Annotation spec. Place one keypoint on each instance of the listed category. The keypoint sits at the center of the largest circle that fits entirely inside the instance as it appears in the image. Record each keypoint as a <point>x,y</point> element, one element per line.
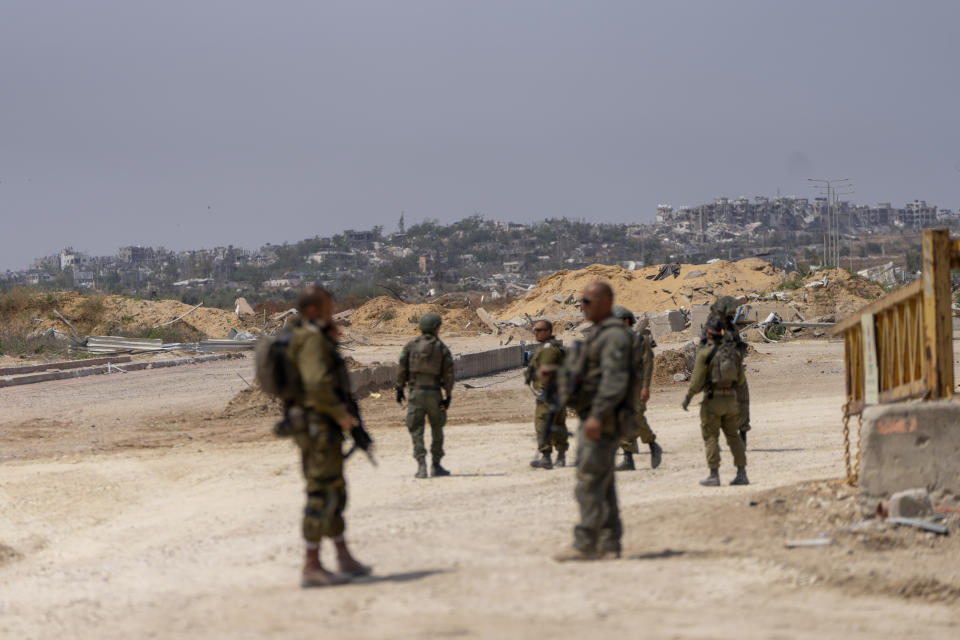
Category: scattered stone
<point>914,503</point>
<point>694,274</point>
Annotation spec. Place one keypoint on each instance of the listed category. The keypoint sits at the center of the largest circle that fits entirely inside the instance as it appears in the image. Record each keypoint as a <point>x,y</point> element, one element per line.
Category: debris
<point>375,395</point>
<point>920,524</point>
<point>487,319</point>
<point>666,270</point>
<point>242,308</point>
<point>808,542</point>
<point>913,503</point>
<point>166,324</point>
<point>694,274</point>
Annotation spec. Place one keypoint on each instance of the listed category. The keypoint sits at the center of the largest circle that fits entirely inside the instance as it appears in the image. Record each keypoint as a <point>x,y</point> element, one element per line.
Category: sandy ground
<point>132,509</point>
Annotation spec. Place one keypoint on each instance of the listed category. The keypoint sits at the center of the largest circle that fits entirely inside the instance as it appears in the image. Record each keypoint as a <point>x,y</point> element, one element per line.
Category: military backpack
<point>276,375</point>
<point>725,364</point>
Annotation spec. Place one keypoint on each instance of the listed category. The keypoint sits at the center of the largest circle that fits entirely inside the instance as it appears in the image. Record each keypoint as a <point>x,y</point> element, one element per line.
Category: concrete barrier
<point>664,322</point>
<point>467,365</point>
<point>908,446</point>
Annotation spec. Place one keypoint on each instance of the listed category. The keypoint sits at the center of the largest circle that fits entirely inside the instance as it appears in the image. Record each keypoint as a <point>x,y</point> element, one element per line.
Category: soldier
<point>717,371</point>
<point>542,370</point>
<point>320,422</point>
<point>427,366</point>
<point>725,309</point>
<point>600,393</point>
<point>643,345</point>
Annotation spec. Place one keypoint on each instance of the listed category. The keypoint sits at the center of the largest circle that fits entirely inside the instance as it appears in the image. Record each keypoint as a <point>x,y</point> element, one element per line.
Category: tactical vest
<point>425,362</point>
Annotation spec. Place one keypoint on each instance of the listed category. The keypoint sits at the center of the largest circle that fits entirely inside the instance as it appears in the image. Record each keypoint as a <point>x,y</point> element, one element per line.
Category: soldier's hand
<point>645,394</point>
<point>347,422</point>
<point>592,428</point>
<point>400,395</point>
<point>685,404</point>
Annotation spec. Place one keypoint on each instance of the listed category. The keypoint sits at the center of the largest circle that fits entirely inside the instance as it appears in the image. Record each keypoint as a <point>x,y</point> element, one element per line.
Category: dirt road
<point>131,509</point>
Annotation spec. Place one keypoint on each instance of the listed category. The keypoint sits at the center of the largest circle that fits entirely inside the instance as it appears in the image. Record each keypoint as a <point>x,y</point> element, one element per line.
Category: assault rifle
<point>361,438</point>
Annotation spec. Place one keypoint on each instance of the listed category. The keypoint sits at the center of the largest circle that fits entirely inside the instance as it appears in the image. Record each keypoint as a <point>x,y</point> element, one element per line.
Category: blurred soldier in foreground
<point>427,366</point>
<point>598,381</point>
<point>643,345</point>
<point>718,371</point>
<point>320,419</point>
<point>725,310</point>
<point>542,375</point>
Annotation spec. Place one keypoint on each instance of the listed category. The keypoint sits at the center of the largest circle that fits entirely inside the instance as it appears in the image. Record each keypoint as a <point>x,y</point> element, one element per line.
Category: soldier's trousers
<point>646,434</point>
<point>600,527</point>
<point>321,454</point>
<point>721,413</point>
<point>558,434</point>
<point>743,402</point>
<point>422,405</point>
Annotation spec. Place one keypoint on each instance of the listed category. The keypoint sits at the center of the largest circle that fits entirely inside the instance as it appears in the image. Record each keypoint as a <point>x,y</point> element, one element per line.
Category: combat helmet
<point>430,322</point>
<point>725,306</point>
<point>622,313</point>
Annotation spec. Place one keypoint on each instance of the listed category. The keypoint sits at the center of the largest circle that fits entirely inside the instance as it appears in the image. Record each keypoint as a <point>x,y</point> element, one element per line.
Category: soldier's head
<point>315,303</point>
<point>625,315</point>
<point>542,330</point>
<point>430,322</point>
<point>714,329</point>
<point>725,307</point>
<point>597,301</point>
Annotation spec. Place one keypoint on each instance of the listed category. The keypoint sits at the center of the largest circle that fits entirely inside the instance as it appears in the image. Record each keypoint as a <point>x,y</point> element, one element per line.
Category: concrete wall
<point>910,446</point>
<point>664,322</point>
<point>468,365</point>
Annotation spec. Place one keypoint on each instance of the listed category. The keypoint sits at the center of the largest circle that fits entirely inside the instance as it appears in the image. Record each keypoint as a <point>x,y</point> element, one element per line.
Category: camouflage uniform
<point>604,393</point>
<point>548,354</point>
<point>643,350</point>
<point>718,411</point>
<point>325,384</point>
<point>427,366</point>
<point>724,309</point>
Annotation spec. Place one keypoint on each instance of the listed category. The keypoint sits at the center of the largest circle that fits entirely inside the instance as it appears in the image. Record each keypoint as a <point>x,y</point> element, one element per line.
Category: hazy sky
<point>198,123</point>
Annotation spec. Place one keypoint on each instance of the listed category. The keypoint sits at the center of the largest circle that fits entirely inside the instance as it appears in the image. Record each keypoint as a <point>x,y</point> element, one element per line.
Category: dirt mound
<point>667,364</point>
<point>389,315</point>
<point>94,314</point>
<point>695,284</point>
<point>252,402</point>
<point>843,294</point>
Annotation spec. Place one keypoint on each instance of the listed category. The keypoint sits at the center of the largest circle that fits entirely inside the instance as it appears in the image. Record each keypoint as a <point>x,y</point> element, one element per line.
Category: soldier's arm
<point>699,378</point>
<point>646,374</point>
<point>404,368</point>
<point>447,370</point>
<point>318,378</point>
<point>615,354</point>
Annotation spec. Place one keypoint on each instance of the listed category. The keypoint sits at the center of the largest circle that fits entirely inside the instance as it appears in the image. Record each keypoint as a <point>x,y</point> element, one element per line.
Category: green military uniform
<point>724,309</point>
<point>604,368</point>
<point>643,351</point>
<point>325,384</point>
<point>549,354</point>
<point>426,365</point>
<point>718,412</point>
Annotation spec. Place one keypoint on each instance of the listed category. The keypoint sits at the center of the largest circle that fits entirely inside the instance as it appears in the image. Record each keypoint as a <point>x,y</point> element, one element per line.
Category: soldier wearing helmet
<point>725,310</point>
<point>426,366</point>
<point>643,345</point>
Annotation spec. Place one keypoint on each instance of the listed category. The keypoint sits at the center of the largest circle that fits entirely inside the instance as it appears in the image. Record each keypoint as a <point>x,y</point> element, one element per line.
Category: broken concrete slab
<point>487,319</point>
<point>914,503</point>
<point>242,308</point>
<point>694,274</point>
<point>663,322</point>
<point>909,446</point>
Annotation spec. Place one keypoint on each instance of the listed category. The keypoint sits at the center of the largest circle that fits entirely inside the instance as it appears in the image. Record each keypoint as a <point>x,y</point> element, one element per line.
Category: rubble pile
<point>388,315</point>
<point>558,293</point>
<point>113,314</point>
<point>669,364</point>
<point>837,293</point>
<point>252,402</point>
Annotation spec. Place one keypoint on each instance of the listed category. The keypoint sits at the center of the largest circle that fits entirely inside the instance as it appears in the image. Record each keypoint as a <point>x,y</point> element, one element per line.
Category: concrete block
<point>908,446</point>
<point>914,503</point>
<point>664,322</point>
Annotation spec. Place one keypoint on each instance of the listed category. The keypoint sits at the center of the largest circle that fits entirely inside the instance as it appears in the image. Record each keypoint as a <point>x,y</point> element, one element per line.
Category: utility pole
<point>831,226</point>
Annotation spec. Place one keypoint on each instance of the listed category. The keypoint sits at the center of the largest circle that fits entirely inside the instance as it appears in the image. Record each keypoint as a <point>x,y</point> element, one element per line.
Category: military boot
<point>314,575</point>
<point>421,469</point>
<point>627,464</point>
<point>656,455</point>
<point>543,462</point>
<point>741,476</point>
<point>438,471</point>
<point>561,459</point>
<point>713,480</point>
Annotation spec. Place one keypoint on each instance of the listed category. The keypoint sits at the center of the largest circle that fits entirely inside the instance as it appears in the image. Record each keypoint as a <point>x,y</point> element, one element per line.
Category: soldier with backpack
<point>718,371</point>
<point>426,365</point>
<point>541,375</point>
<point>643,345</point>
<point>318,417</point>
<point>725,310</point>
